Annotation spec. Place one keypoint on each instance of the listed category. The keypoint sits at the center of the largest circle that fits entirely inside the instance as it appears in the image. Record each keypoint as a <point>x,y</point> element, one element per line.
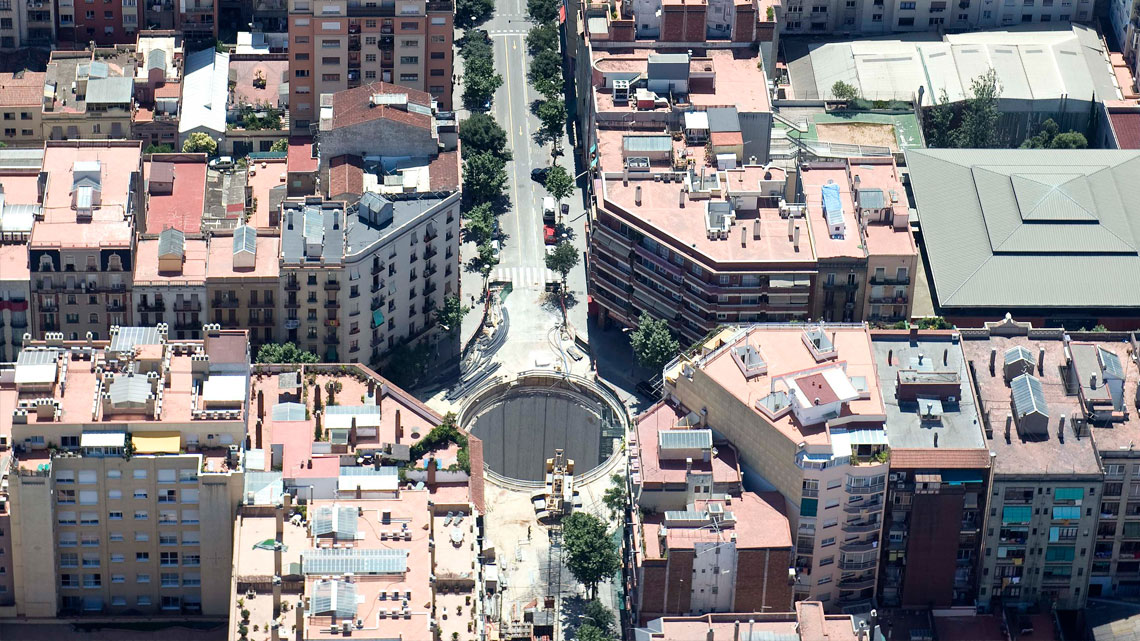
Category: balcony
<point>191,305</point>
<point>855,528</point>
<point>151,306</point>
<point>858,546</point>
<point>866,489</point>
<point>292,303</point>
<point>889,300</point>
<point>857,565</point>
<point>226,303</point>
<point>863,506</point>
<point>331,304</point>
<point>332,286</point>
<point>884,280</point>
<point>115,307</point>
<point>331,340</point>
<point>857,584</point>
<point>295,285</point>
<point>840,285</point>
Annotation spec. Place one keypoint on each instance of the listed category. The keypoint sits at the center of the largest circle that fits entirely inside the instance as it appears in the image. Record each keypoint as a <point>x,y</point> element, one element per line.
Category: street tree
<point>591,554</point>
<point>199,142</point>
<point>469,13</point>
<point>843,91</point>
<point>653,344</point>
<point>558,183</point>
<point>476,44</point>
<point>563,259</point>
<point>406,364</point>
<point>542,37</point>
<point>480,223</point>
<point>616,497</point>
<point>600,616</point>
<point>542,11</point>
<point>484,177</point>
<point>589,632</point>
<point>545,73</point>
<point>480,133</point>
<point>284,353</point>
<point>487,258</point>
<point>980,114</point>
<point>451,314</point>
<point>480,81</point>
<point>939,133</point>
<point>552,116</point>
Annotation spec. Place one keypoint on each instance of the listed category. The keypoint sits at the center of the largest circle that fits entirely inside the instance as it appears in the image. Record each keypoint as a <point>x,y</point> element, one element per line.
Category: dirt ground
<point>859,133</point>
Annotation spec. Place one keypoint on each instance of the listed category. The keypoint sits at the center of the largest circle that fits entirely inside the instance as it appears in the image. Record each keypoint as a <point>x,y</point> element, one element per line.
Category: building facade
<point>242,283</point>
<point>877,17</point>
<point>347,44</point>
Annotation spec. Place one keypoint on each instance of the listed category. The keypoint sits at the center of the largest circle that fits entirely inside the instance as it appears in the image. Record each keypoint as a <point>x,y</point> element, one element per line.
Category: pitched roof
<point>1125,125</point>
<point>939,458</point>
<point>443,172</point>
<point>346,176</point>
<point>353,106</point>
<point>171,242</point>
<point>110,91</point>
<point>24,89</point>
<point>1016,228</point>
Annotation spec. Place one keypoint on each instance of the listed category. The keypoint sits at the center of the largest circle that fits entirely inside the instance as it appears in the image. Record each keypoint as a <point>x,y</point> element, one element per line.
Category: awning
<point>961,477</point>
<point>103,439</point>
<point>377,318</point>
<point>809,507</point>
<point>157,442</point>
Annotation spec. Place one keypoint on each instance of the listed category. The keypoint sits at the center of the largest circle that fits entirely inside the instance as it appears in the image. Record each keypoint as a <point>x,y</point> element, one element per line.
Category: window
<point>169,579</point>
<point>142,578</point>
<point>114,495</point>
<point>119,578</point>
<point>168,517</point>
<point>68,560</point>
<point>189,496</point>
<point>1066,513</point>
<point>141,515</point>
<point>189,517</point>
<point>409,77</point>
<point>330,77</point>
<point>167,538</point>
<point>409,60</point>
<point>189,538</point>
<point>167,476</point>
<point>142,557</point>
<point>191,579</point>
<point>92,580</point>
<point>906,22</point>
<point>87,477</point>
<point>143,601</point>
<point>115,515</point>
<point>116,536</point>
<point>191,560</point>
<point>408,26</point>
<point>167,559</point>
<point>140,494</point>
<point>139,474</point>
<point>66,497</point>
<point>88,497</point>
<point>826,542</point>
<point>66,518</point>
<point>142,536</point>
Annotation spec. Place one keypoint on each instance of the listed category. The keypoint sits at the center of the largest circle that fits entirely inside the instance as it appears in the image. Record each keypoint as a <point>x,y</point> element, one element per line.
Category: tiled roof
<point>352,107</point>
<point>444,172</point>
<point>346,176</point>
<point>1126,126</point>
<point>939,458</point>
<point>25,91</point>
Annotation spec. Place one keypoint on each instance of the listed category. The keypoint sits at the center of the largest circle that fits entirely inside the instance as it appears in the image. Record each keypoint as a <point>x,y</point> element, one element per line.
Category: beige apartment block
<point>21,98</point>
<point>242,283</point>
<point>343,44</point>
<point>125,472</point>
<point>81,253</point>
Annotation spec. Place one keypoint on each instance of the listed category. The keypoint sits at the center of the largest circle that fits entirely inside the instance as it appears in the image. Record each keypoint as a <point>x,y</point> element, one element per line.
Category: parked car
<point>548,206</point>
<point>222,163</point>
<point>548,234</point>
<point>539,174</point>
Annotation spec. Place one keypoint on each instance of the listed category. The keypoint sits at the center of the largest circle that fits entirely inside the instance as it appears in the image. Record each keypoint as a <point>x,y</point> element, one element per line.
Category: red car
<point>548,234</point>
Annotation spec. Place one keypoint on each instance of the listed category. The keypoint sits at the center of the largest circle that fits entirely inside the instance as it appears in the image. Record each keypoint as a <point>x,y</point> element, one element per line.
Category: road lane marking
<point>514,181</point>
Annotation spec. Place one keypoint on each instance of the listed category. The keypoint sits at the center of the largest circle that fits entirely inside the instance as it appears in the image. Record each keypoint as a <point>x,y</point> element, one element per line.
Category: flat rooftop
<point>221,259</point>
<point>846,245</point>
<point>758,523</point>
<point>732,69</point>
<point>110,223</point>
<point>882,238</point>
<point>65,68</point>
<point>655,471</point>
<point>193,270</point>
<point>808,621</point>
<point>1035,455</point>
<point>267,73</point>
<point>14,262</point>
<point>785,353</point>
<point>937,356</point>
<point>182,208</point>
<point>267,180</point>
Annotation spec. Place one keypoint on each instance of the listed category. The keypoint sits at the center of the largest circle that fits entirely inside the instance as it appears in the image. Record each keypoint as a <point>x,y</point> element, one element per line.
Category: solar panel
<point>128,338</point>
<point>684,439</point>
<point>338,521</point>
<point>343,561</point>
<point>289,412</point>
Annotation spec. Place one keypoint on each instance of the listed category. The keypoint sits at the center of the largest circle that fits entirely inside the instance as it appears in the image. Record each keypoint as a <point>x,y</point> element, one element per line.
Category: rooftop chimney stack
<point>1008,426</point>
<point>735,631</point>
<point>796,238</point>
<point>299,620</point>
<point>993,359</point>
<point>1061,429</point>
<point>276,596</point>
<point>637,195</point>
<point>756,229</point>
<point>1041,362</point>
<point>743,237</point>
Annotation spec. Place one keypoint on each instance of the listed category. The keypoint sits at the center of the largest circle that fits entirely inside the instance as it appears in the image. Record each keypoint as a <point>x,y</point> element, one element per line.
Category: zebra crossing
<point>521,276</point>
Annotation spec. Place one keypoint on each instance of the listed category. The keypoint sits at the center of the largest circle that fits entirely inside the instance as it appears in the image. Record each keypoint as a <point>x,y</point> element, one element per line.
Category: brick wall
<point>932,549</point>
<point>762,581</point>
<point>744,29</point>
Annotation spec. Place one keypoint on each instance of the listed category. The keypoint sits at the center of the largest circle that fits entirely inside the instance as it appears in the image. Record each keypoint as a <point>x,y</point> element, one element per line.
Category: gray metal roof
<point>289,412</point>
<point>289,380</point>
<point>647,143</point>
<point>129,390</point>
<point>1016,228</point>
<point>310,224</point>
<point>1019,353</point>
<point>156,59</point>
<point>362,234</point>
<point>871,198</point>
<point>684,439</point>
<point>171,241</point>
<point>723,119</point>
<point>1111,363</point>
<point>110,91</point>
<point>129,337</point>
<point>245,239</point>
<point>336,520</point>
<point>1028,396</point>
<point>357,561</point>
<point>334,598</point>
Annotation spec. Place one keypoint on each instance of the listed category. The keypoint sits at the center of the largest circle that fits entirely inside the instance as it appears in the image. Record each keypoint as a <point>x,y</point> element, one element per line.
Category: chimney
<point>257,432</point>
<point>287,500</point>
<point>1092,380</point>
<point>260,404</point>
<point>1061,429</point>
<point>431,469</point>
<point>890,356</point>
<point>756,229</point>
<point>279,521</point>
<point>936,439</point>
<point>1008,425</point>
<point>945,356</point>
<point>735,631</point>
<point>625,177</point>
<point>993,359</point>
<point>681,199</point>
<point>399,427</point>
<point>637,195</point>
<point>874,622</point>
<point>359,492</point>
<point>791,226</point>
<point>352,434</point>
<point>709,634</point>
<point>689,464</point>
<point>1041,362</point>
<point>743,237</point>
<point>299,621</point>
<point>371,388</point>
<point>796,238</point>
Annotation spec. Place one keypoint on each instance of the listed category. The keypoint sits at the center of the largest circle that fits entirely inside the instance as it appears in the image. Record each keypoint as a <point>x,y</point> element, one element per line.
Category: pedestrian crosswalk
<point>521,276</point>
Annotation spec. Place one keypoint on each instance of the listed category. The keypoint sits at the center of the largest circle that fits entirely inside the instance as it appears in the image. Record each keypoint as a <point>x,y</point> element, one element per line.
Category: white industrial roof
<point>204,92</point>
<point>224,388</point>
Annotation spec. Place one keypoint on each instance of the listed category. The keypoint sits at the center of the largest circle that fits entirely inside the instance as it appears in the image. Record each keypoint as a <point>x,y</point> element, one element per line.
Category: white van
<point>548,210</point>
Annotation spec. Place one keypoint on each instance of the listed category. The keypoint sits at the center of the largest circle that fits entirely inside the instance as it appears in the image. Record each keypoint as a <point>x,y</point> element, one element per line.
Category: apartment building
<point>1046,490</point>
<point>21,97</point>
<point>807,621</point>
<point>126,472</point>
<point>242,281</point>
<point>802,406</point>
<point>940,463</point>
<point>89,95</point>
<point>158,88</point>
<point>170,283</point>
<point>858,217</point>
<point>868,17</point>
<point>14,295</point>
<point>108,24</point>
<point>30,23</point>
<point>19,206</point>
<point>340,45</point>
<point>82,252</point>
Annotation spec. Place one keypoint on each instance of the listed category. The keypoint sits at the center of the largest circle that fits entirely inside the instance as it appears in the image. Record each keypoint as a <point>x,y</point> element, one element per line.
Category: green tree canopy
<point>563,259</point>
<point>157,149</point>
<point>980,114</point>
<point>472,12</point>
<point>589,632</point>
<point>1049,136</point>
<point>653,344</point>
<point>558,183</point>
<point>616,497</point>
<point>600,616</point>
<point>843,91</point>
<point>480,133</point>
<point>545,73</point>
<point>939,130</point>
<point>591,554</point>
<point>484,177</point>
<point>284,353</point>
<point>280,145</point>
<point>542,11</point>
<point>480,222</point>
<point>552,116</point>
<point>451,314</point>
<point>542,37</point>
<point>199,142</point>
